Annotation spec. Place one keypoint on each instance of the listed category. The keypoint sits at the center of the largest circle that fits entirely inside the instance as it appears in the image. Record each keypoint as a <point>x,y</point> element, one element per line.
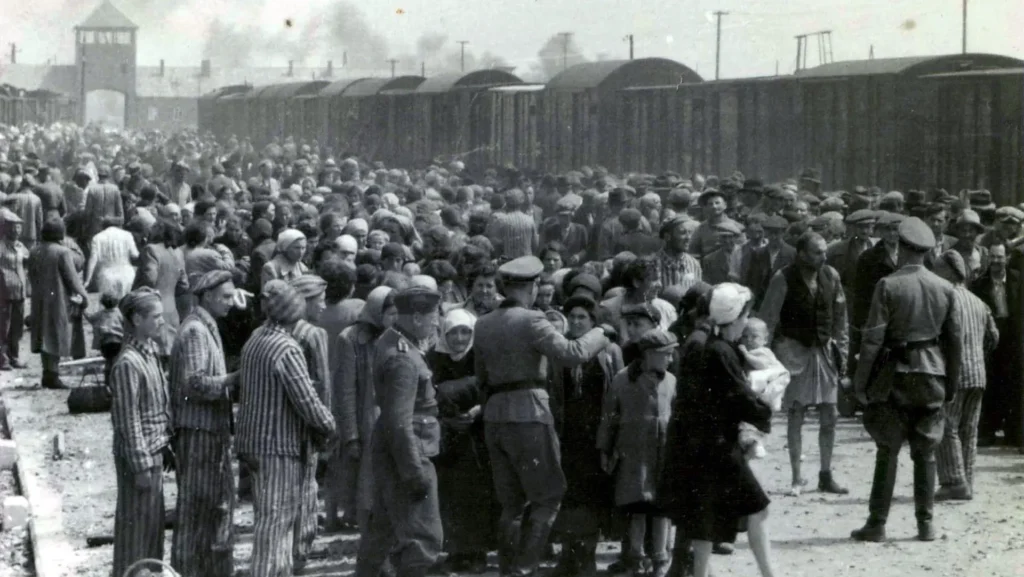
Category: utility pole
<point>14,53</point>
<point>463,43</point>
<point>800,39</point>
<point>718,39</point>
<point>630,38</point>
<point>565,48</point>
<point>871,53</point>
<point>82,85</point>
<point>964,27</point>
<point>776,67</point>
<point>393,62</point>
<point>423,69</point>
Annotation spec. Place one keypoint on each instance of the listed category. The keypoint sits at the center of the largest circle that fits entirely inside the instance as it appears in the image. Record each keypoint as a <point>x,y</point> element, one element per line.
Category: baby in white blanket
<point>766,376</point>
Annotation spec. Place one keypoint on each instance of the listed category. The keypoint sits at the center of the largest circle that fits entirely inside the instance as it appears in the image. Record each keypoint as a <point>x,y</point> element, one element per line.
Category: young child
<point>767,377</point>
<point>107,330</point>
<point>632,438</point>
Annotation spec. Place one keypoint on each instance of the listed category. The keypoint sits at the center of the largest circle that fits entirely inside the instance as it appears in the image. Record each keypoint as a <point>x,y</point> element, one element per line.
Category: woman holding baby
<point>708,488</point>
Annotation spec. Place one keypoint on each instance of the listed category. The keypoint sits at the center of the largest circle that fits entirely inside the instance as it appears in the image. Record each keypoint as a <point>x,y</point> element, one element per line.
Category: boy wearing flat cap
<point>909,367</point>
<point>406,515</point>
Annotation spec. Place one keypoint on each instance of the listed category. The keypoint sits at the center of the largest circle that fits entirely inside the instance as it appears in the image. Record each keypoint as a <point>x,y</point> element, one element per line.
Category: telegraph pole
<point>630,38</point>
<point>393,62</point>
<point>565,48</point>
<point>82,85</point>
<point>14,53</point>
<point>423,69</point>
<point>964,28</point>
<point>463,43</point>
<point>718,39</point>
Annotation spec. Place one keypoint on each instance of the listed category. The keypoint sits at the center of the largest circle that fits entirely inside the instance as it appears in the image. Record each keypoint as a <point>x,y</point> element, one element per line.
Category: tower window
<point>124,38</point>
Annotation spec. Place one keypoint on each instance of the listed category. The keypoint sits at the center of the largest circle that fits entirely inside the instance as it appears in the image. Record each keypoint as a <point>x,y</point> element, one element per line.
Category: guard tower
<point>105,50</point>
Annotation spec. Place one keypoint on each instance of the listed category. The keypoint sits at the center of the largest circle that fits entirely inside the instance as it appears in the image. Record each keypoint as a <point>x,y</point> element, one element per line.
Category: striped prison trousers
<point>306,524</point>
<point>959,446</point>
<point>203,541</point>
<point>138,518</point>
<point>277,492</point>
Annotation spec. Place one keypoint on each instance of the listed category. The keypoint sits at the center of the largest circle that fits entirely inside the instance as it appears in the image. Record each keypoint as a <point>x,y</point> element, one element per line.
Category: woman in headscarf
<point>464,482</point>
<point>355,410</point>
<point>162,269</point>
<point>57,289</point>
<point>707,486</point>
<point>377,239</point>
<point>287,262</point>
<point>577,397</point>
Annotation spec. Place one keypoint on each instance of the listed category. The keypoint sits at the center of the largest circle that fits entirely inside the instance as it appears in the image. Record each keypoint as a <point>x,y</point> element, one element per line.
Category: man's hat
<point>970,217</point>
<point>753,185</point>
<point>729,227</point>
<point>417,299</point>
<point>522,269</point>
<point>915,233</point>
<point>1010,214</point>
<point>657,340</point>
<point>671,224</point>
<point>811,174</point>
<point>708,194</point>
<point>862,216</point>
<point>886,218</point>
<point>775,222</point>
<point>981,200</point>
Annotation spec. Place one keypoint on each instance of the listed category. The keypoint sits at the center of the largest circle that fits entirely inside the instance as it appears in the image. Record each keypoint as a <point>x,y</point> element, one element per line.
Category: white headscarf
<point>454,319</point>
<point>727,302</point>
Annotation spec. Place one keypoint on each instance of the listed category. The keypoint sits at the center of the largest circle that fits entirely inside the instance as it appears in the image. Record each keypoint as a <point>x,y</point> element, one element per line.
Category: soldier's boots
<point>924,498</point>
<point>826,484</point>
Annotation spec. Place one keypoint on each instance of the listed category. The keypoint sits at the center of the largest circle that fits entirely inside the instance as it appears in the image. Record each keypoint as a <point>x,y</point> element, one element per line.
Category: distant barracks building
<point>161,97</point>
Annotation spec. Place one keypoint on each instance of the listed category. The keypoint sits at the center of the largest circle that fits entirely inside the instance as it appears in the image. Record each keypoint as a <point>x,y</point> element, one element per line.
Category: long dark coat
<point>464,484</point>
<point>577,402</point>
<point>707,487</point>
<point>163,270</point>
<point>51,272</point>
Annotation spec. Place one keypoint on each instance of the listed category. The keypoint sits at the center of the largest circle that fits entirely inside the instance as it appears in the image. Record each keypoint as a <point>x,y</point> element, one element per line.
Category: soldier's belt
<point>525,385</point>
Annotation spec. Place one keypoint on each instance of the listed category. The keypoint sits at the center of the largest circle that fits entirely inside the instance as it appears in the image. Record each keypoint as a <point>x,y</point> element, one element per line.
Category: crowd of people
<point>466,362</point>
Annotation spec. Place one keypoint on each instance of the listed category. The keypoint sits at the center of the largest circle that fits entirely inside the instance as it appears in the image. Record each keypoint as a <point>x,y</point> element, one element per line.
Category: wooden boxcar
<point>508,121</point>
<point>372,117</point>
<point>444,126</point>
<point>580,108</point>
<point>211,116</point>
<point>874,122</point>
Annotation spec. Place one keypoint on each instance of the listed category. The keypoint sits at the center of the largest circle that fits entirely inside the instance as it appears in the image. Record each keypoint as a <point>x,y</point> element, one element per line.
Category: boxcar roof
<point>477,78</point>
<point>914,65</point>
<point>619,74</point>
<point>374,86</point>
<point>226,91</point>
<point>290,89</point>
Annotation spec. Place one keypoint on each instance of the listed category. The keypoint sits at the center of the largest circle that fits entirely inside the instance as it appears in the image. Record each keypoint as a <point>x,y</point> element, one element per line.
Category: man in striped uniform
<point>281,420</point>
<point>675,266</point>
<point>405,521</point>
<point>956,453</point>
<point>201,392</point>
<point>313,341</point>
<point>141,417</point>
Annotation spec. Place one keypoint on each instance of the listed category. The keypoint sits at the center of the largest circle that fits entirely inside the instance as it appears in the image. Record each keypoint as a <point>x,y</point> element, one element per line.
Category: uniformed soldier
<point>513,344</point>
<point>909,367</point>
<point>405,521</point>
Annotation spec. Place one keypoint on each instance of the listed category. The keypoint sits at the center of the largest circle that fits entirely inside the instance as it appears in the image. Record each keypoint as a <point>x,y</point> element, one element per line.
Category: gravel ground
<point>810,534</point>
<point>15,549</point>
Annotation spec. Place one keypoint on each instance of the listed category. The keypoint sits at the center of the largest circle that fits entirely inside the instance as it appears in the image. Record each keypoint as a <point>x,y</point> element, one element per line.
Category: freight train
<point>949,121</point>
<point>40,107</point>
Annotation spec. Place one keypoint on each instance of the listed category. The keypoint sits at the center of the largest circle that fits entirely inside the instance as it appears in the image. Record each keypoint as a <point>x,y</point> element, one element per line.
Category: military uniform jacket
<point>407,429</point>
<point>911,305</point>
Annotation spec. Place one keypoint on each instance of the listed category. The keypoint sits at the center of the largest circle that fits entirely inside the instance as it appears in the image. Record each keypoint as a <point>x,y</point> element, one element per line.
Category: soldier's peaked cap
<point>915,233</point>
<point>522,269</point>
<point>417,299</point>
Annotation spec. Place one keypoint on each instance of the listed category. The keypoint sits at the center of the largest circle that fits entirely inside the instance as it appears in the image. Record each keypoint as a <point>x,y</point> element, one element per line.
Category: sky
<point>757,35</point>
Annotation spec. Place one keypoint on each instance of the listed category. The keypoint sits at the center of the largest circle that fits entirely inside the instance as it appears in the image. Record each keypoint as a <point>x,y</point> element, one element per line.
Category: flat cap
<point>308,285</point>
<point>1010,214</point>
<point>671,224</point>
<point>833,203</point>
<point>8,215</point>
<point>393,250</point>
<point>820,222</point>
<point>522,269</point>
<point>915,233</point>
<point>211,280</point>
<point>862,216</point>
<point>707,195</point>
<point>657,340</point>
<point>587,281</point>
<point>894,195</point>
<point>417,299</point>
<point>775,222</point>
<point>630,218</point>
<point>887,218</point>
<point>729,226</point>
<point>773,191</point>
<point>644,309</point>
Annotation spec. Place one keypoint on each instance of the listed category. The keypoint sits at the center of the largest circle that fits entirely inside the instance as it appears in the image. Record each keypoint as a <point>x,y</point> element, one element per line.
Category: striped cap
<point>282,303</point>
<point>308,285</point>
